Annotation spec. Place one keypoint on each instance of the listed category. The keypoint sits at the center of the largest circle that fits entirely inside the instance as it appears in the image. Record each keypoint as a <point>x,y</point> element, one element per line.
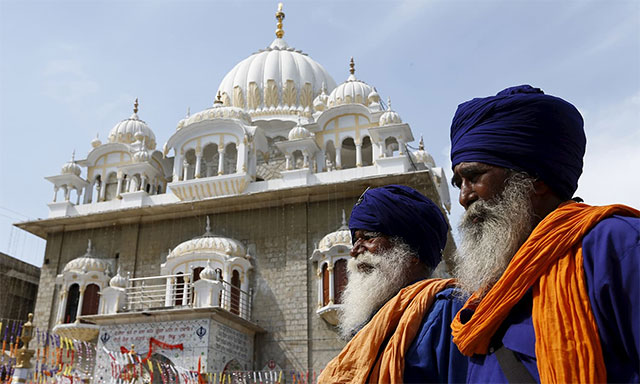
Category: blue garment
<point>521,128</point>
<point>611,252</point>
<point>432,357</point>
<point>398,210</point>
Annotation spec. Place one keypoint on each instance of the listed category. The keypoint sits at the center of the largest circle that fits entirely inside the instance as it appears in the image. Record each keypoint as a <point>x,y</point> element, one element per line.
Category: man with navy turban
<point>396,318</point>
<point>553,283</point>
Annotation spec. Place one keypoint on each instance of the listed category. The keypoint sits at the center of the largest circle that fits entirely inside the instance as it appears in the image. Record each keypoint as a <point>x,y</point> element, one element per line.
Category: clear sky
<point>71,69</point>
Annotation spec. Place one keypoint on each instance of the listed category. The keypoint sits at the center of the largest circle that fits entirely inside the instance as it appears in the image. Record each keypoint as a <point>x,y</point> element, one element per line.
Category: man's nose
<point>467,194</point>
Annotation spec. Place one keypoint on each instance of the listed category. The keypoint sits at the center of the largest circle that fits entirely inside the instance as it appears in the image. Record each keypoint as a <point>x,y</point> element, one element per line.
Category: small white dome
<point>351,91</point>
<point>71,167</point>
<point>342,236</point>
<point>95,143</point>
<point>118,281</point>
<point>141,156</point>
<point>126,131</point>
<point>299,132</point>
<point>422,156</point>
<point>208,273</point>
<point>320,102</point>
<point>390,116</point>
<point>209,243</point>
<point>87,263</point>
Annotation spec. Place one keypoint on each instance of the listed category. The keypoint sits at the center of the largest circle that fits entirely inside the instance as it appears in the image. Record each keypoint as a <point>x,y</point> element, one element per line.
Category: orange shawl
<point>567,341</point>
<point>397,321</point>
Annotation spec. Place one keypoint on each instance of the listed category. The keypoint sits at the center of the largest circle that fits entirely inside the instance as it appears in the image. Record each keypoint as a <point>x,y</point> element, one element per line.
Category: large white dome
<point>276,82</point>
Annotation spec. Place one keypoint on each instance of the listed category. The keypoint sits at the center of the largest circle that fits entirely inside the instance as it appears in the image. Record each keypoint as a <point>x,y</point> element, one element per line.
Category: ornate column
<point>400,147</point>
<point>305,161</point>
<point>331,292</point>
<point>339,157</point>
<point>119,187</point>
<point>80,301</point>
<point>79,193</point>
<point>220,159</point>
<point>62,306</point>
<point>103,191</point>
<point>128,185</point>
<point>287,164</point>
<point>185,170</point>
<point>55,193</point>
<point>177,169</point>
<point>198,163</point>
<point>359,154</point>
<point>319,278</point>
<point>143,183</point>
<point>67,192</point>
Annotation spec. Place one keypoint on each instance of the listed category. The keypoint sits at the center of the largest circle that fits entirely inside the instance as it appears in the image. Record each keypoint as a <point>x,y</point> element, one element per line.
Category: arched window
<point>190,157</point>
<point>91,300</point>
<point>325,285</point>
<point>391,146</point>
<point>235,292</point>
<point>210,158</point>
<point>196,273</point>
<point>348,153</point>
<point>297,159</point>
<point>95,192</point>
<point>329,156</point>
<point>73,296</point>
<point>339,279</point>
<point>367,152</point>
<point>178,290</point>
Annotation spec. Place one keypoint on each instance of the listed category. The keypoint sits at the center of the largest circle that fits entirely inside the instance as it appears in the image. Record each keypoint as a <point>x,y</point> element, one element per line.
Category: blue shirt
<point>432,357</point>
<point>611,253</point>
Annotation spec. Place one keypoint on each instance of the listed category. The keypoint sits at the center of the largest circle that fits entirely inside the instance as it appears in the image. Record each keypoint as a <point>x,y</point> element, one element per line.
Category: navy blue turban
<point>397,210</point>
<point>521,128</point>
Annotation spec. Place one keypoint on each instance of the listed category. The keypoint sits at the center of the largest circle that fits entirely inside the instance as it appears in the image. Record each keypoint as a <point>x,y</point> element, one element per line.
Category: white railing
<point>177,291</point>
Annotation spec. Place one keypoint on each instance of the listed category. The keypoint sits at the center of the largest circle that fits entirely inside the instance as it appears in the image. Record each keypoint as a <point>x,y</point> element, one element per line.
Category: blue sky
<point>71,69</point>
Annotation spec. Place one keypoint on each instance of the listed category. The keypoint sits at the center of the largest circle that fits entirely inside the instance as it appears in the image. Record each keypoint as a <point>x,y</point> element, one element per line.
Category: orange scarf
<point>567,341</point>
<point>397,321</point>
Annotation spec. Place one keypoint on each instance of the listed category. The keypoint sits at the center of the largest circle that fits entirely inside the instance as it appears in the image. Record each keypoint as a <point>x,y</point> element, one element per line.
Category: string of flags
<point>59,359</point>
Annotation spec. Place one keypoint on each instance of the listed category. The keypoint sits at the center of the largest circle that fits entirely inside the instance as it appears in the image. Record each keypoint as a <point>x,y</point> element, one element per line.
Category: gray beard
<point>366,292</point>
<point>487,246</point>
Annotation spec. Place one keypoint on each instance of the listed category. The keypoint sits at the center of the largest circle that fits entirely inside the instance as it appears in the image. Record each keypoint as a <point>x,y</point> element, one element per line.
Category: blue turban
<point>397,210</point>
<point>521,128</point>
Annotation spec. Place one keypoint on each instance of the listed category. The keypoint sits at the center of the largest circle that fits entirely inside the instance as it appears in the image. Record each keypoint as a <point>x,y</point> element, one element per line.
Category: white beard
<point>388,272</point>
<point>487,246</point>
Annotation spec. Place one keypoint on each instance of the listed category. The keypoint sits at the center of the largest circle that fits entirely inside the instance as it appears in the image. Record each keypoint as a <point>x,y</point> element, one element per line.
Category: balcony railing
<point>177,291</point>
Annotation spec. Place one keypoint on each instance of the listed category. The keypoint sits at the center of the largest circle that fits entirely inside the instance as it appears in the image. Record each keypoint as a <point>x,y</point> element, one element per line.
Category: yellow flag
<point>150,366</point>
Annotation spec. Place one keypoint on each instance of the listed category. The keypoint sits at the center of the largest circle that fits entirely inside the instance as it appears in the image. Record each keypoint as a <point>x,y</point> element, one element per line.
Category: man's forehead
<point>467,166</point>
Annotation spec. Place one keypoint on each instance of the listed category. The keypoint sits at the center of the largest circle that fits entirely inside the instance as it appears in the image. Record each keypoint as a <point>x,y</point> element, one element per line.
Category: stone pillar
<point>67,192</point>
<point>331,292</point>
<point>177,169</point>
<point>359,154</point>
<point>287,164</point>
<point>220,159</point>
<point>103,191</point>
<point>198,164</point>
<point>62,306</point>
<point>400,147</point>
<point>79,192</point>
<point>128,186</point>
<point>339,157</point>
<point>143,183</point>
<point>185,170</point>
<point>80,301</point>
<point>319,278</point>
<point>119,187</point>
<point>55,193</point>
<point>305,161</point>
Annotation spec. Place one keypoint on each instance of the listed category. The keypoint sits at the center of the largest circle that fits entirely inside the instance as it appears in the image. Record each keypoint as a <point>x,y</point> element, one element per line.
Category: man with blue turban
<point>396,318</point>
<point>553,283</point>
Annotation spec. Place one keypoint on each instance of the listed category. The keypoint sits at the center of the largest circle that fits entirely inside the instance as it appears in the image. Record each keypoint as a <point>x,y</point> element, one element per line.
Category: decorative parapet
<point>203,188</point>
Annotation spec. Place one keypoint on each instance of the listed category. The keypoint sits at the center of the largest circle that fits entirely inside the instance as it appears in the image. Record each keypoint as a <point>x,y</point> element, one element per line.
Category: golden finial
<point>352,66</point>
<point>421,145</point>
<point>279,17</point>
<point>135,106</point>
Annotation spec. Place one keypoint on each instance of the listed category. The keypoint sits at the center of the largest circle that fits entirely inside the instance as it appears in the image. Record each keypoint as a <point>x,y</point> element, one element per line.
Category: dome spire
<point>421,145</point>
<point>388,103</point>
<point>218,99</point>
<point>279,17</point>
<point>135,106</point>
<point>352,66</point>
<point>344,220</point>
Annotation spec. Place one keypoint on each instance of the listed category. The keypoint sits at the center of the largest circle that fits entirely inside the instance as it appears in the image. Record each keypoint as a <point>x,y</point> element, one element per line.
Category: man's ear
<point>543,199</point>
<point>540,188</point>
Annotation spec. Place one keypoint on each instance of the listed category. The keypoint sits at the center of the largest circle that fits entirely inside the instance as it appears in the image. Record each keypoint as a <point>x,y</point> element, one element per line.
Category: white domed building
<point>277,162</point>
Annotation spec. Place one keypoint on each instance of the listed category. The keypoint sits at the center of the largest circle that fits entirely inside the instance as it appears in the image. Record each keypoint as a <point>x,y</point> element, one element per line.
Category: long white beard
<point>487,246</point>
<point>366,292</point>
